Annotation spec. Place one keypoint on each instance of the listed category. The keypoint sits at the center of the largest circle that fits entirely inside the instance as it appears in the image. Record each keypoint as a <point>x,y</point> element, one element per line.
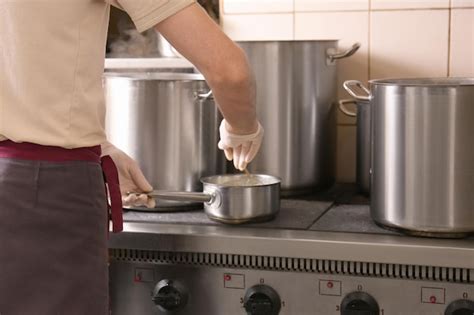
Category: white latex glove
<point>131,178</point>
<point>242,149</point>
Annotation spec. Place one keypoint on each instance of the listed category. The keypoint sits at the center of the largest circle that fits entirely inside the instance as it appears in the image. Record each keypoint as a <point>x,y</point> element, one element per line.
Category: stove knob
<point>262,300</point>
<point>460,307</point>
<point>359,303</point>
<point>169,296</point>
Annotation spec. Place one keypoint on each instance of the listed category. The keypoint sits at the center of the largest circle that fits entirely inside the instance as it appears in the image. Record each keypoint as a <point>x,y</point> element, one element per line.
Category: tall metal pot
<point>296,88</point>
<point>423,155</point>
<point>168,123</point>
<point>364,141</point>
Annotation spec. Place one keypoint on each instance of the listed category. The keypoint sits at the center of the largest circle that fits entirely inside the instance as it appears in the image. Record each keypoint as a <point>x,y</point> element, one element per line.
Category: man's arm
<point>224,65</point>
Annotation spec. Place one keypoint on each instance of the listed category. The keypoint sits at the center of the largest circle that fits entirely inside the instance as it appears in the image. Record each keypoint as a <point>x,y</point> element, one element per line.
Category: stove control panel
<point>150,289</point>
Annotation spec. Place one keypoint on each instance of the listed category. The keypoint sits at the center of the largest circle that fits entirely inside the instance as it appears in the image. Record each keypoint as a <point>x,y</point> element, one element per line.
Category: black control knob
<point>359,303</point>
<point>169,296</point>
<point>460,307</point>
<point>262,300</point>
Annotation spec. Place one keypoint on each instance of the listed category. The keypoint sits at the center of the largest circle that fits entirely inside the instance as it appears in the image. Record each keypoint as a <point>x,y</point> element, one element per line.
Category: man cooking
<point>53,150</point>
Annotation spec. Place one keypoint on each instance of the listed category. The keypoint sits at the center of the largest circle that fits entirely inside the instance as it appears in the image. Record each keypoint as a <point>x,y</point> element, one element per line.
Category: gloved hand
<point>131,178</point>
<point>240,148</point>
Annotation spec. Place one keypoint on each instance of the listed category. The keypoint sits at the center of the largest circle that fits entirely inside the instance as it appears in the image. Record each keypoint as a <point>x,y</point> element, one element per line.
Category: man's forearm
<point>221,61</point>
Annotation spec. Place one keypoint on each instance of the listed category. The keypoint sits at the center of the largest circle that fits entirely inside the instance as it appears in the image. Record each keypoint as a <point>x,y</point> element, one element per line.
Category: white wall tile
<point>258,26</point>
<point>257,6</point>
<point>346,154</point>
<point>330,5</point>
<point>349,27</point>
<point>462,3</point>
<point>462,43</point>
<point>408,4</point>
<point>409,43</point>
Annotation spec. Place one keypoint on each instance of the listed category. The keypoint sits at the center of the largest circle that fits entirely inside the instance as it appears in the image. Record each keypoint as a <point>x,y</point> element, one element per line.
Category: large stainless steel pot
<point>364,140</point>
<point>423,154</point>
<point>235,198</point>
<point>169,125</point>
<point>296,88</point>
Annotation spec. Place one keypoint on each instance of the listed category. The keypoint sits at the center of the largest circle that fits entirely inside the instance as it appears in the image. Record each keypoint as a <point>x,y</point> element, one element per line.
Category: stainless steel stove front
<point>216,271</point>
<point>145,282</point>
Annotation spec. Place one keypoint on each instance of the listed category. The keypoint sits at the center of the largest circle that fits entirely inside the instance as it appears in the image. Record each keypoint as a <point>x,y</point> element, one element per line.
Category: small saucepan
<point>234,198</point>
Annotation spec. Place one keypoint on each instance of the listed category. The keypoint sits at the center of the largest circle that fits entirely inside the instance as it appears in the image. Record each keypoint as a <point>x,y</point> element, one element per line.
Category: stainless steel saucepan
<point>235,198</point>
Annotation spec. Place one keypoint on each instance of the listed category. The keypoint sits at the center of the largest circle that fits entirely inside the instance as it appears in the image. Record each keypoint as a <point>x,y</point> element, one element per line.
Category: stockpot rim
<point>425,82</point>
<point>212,180</point>
<point>154,76</point>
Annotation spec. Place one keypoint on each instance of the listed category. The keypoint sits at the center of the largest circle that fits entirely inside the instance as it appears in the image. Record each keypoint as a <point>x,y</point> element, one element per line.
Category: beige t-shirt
<point>51,64</point>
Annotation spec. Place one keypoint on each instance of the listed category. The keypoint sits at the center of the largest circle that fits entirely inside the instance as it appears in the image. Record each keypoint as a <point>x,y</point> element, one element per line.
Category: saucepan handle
<point>345,110</point>
<point>333,54</point>
<point>348,85</point>
<point>182,196</point>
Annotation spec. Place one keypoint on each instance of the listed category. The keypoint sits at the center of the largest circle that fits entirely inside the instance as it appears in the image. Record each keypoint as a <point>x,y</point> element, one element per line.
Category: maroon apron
<point>54,220</point>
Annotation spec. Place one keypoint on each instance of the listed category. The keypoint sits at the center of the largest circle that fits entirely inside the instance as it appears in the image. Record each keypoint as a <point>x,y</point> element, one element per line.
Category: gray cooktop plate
<point>349,218</point>
<point>294,214</point>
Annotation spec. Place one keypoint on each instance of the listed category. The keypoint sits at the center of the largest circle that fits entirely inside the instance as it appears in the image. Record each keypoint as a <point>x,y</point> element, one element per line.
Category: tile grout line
<point>369,42</point>
<point>294,20</point>
<point>221,13</point>
<point>450,16</point>
<point>337,11</point>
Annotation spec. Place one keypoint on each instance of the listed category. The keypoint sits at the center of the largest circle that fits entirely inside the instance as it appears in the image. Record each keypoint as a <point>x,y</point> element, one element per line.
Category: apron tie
<point>112,181</point>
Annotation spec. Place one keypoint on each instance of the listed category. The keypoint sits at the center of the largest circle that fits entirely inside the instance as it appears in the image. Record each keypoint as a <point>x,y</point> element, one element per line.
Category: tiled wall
<point>403,38</point>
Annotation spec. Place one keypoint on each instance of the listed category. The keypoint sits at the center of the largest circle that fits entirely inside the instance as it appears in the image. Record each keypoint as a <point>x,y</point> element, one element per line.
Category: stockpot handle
<point>204,96</point>
<point>333,54</point>
<point>345,110</point>
<point>348,86</point>
<point>182,196</point>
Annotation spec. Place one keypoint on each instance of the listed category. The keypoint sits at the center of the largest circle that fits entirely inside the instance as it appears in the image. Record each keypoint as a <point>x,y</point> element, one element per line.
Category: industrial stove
<point>321,255</point>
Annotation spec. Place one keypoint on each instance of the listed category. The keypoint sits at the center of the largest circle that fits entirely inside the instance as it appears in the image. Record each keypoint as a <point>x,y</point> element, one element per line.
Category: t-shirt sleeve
<point>147,13</point>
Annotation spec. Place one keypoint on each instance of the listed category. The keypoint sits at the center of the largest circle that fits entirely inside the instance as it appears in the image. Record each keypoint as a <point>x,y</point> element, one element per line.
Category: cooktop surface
<point>340,209</point>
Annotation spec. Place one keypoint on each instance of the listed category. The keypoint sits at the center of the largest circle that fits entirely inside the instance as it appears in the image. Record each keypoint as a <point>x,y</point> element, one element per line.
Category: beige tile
<point>330,5</point>
<point>346,154</point>
<point>408,4</point>
<point>409,43</point>
<point>349,27</point>
<point>258,26</point>
<point>462,3</point>
<point>259,6</point>
<point>462,43</point>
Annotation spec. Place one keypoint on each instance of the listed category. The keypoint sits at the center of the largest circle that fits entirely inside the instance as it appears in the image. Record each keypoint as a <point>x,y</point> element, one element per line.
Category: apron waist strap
<point>36,152</point>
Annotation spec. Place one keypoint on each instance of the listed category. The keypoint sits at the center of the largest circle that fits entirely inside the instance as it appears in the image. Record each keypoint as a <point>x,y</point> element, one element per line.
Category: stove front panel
<point>294,286</point>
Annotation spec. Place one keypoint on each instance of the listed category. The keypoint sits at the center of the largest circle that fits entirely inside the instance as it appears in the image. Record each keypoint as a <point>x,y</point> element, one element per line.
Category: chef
<point>54,154</point>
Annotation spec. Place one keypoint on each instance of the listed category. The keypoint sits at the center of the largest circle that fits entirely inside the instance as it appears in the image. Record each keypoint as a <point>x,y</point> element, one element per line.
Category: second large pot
<point>169,125</point>
<point>296,88</point>
<point>423,157</point>
<point>363,141</point>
